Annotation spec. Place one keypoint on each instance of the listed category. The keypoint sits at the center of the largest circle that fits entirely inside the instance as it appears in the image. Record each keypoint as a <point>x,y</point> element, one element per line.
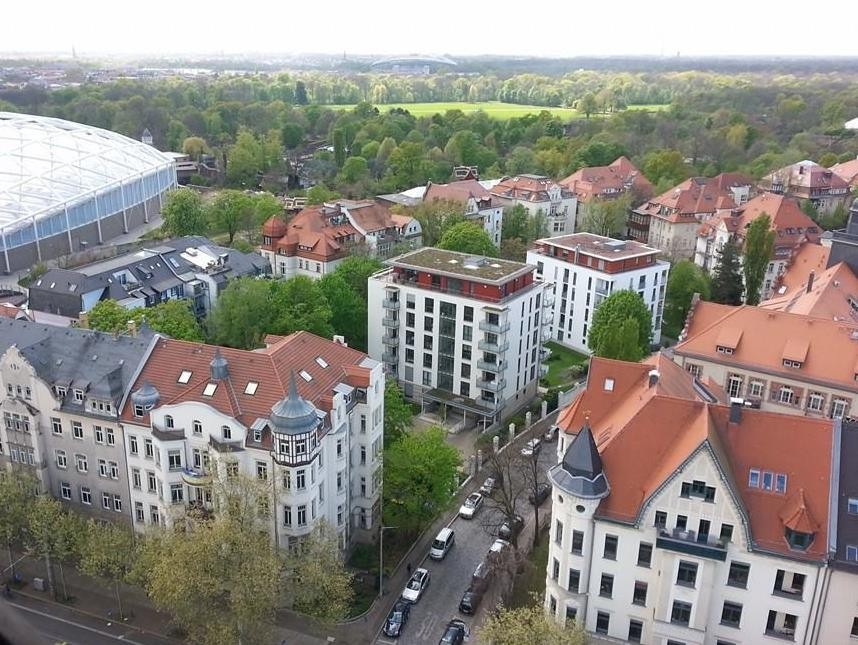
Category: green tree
<point>665,166</point>
<point>612,314</point>
<point>245,160</point>
<point>727,287</point>
<point>339,137</point>
<point>229,211</point>
<point>108,315</point>
<point>172,318</point>
<point>621,342</point>
<point>398,415</point>
<point>17,492</point>
<point>419,478</point>
<point>356,269</point>
<point>315,578</point>
<point>107,551</point>
<point>354,169</point>
<point>515,224</point>
<point>587,104</point>
<point>529,624</point>
<point>606,216</point>
<point>685,279</point>
<point>194,147</point>
<point>298,304</point>
<point>467,237</point>
<point>301,93</point>
<point>435,217</point>
<point>407,164</point>
<point>291,135</point>
<point>183,213</point>
<point>319,194</point>
<point>759,247</point>
<point>241,317</point>
<point>53,534</point>
<point>348,310</point>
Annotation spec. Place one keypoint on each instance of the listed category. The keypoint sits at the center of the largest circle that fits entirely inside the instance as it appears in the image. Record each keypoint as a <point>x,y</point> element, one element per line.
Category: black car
<point>542,492</point>
<point>397,618</point>
<point>471,599</point>
<point>455,633</point>
<point>510,528</point>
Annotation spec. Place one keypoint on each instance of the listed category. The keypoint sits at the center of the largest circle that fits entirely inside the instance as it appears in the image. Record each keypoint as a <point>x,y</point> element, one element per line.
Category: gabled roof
<point>697,196</point>
<point>459,191</point>
<point>847,171</point>
<point>809,257</point>
<point>831,293</point>
<point>807,175</point>
<point>529,188</point>
<point>595,182</point>
<point>319,232</point>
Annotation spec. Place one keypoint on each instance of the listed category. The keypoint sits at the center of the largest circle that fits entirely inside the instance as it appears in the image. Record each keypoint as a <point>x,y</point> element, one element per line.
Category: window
<point>232,469</point>
<point>755,389</point>
<point>577,542</point>
<point>686,575</point>
<point>635,631</point>
<point>139,514</point>
<point>734,386</point>
<point>603,621</point>
<point>754,478</point>
<point>78,396</point>
<point>105,501</point>
<point>227,432</point>
<point>606,585</point>
<point>117,503</point>
<point>77,430</point>
<point>102,468</point>
<point>731,614</point>
<point>210,389</point>
<point>302,515</point>
<point>558,531</point>
<point>726,533</point>
<point>574,580</point>
<point>768,480</point>
<point>610,552</point>
<point>301,480</point>
<point>177,493</point>
<point>854,631</point>
<point>250,388</point>
<point>261,470</point>
<point>56,425</point>
<point>555,569</point>
<point>138,410</point>
<point>65,490</point>
<point>815,402</point>
<point>660,519</point>
<point>639,594</point>
<point>644,554</point>
<point>85,496</point>
<point>184,377</point>
<point>838,408</point>
<point>62,462</point>
<point>198,427</point>
<point>174,459</point>
<point>738,575</point>
<point>287,516</point>
<point>781,624</point>
<point>571,614</point>
<point>780,483</point>
<point>789,584</point>
<point>99,434</point>
<point>785,395</point>
<point>681,522</point>
<point>80,463</point>
<point>132,444</point>
<point>114,469</point>
<point>681,612</point>
<point>852,506</point>
<point>428,305</point>
<point>136,481</point>
<point>151,481</point>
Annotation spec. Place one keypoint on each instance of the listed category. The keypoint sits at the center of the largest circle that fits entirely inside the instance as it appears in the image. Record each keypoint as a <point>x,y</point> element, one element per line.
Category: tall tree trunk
<point>119,601</point>
<point>11,562</point>
<point>63,581</point>
<point>50,574</point>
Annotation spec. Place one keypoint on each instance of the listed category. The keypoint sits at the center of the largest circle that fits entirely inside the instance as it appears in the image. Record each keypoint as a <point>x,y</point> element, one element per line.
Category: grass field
<point>561,359</point>
<point>494,109</point>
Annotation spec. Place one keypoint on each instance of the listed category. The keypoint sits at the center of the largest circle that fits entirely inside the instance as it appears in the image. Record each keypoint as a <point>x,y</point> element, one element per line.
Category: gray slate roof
<point>580,472</point>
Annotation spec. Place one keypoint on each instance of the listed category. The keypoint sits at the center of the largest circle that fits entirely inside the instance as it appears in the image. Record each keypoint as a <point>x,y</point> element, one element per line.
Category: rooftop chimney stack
<point>653,377</point>
<point>810,279</point>
<point>83,320</point>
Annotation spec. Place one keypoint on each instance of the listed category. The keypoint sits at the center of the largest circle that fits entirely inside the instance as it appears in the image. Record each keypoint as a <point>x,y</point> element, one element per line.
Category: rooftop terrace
<point>461,265</point>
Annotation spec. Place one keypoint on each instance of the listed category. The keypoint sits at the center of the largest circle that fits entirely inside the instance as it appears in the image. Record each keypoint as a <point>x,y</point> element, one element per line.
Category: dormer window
<point>138,410</point>
<point>725,350</point>
<point>793,364</point>
<point>609,385</point>
<point>78,395</point>
<point>797,539</point>
<point>257,435</point>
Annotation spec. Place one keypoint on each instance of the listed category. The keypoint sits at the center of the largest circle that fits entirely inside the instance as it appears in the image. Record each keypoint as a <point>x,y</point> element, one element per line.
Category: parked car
<point>442,543</point>
<point>455,633</point>
<point>511,528</point>
<point>471,506</point>
<point>471,600</point>
<point>482,575</point>
<point>416,586</point>
<point>542,492</point>
<point>488,486</point>
<point>397,618</point>
<point>497,547</point>
<point>551,433</point>
<point>532,447</point>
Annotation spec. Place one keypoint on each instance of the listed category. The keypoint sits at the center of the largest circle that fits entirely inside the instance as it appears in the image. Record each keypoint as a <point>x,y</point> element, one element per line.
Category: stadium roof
<point>47,164</point>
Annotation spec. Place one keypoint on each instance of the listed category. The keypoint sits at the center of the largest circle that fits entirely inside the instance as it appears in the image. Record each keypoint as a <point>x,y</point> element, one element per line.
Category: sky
<point>550,28</point>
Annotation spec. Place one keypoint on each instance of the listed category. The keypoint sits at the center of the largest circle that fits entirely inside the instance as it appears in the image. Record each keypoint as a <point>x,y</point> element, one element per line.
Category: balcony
<point>393,323</point>
<point>548,317</point>
<point>390,357</point>
<point>544,353</point>
<point>688,542</point>
<point>496,367</point>
<point>494,386</point>
<point>196,477</point>
<point>390,341</point>
<point>390,303</point>
<point>495,328</point>
<point>494,348</point>
<point>548,299</point>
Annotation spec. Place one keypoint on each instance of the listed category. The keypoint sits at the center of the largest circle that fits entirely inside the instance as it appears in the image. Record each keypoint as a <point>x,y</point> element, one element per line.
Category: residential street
<point>452,575</point>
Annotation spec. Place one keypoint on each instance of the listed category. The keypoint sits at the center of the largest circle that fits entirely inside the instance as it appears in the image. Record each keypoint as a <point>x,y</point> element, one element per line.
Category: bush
<point>199,180</point>
<point>242,245</point>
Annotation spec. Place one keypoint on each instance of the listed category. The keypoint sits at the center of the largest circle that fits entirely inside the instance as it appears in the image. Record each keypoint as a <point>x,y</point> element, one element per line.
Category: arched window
<point>168,422</point>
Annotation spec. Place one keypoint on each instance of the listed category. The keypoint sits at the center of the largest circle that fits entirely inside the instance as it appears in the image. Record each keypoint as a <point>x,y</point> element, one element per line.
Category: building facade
<point>477,202</point>
<point>540,195</point>
<point>459,332</point>
<point>807,180</point>
<point>584,269</point>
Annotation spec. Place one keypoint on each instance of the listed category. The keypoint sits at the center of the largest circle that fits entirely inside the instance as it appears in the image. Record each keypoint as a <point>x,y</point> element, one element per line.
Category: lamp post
<point>381,558</point>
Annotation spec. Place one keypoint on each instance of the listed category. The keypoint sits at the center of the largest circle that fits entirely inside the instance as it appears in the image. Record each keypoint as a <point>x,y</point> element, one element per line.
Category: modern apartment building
<point>459,332</point>
<point>62,390</point>
<point>679,519</point>
<point>583,269</point>
<point>304,416</point>
<point>541,195</point>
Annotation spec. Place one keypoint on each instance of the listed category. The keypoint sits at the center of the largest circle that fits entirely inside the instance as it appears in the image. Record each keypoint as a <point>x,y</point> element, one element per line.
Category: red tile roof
<point>833,294</point>
<point>269,367</point>
<point>847,171</point>
<point>530,188</point>
<point>693,199</point>
<point>459,191</point>
<point>610,181</point>
<point>317,232</point>
<point>805,175</point>
<point>809,257</point>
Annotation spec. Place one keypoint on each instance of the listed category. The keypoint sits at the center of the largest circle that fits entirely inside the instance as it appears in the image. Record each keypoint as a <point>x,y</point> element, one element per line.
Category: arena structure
<point>66,187</point>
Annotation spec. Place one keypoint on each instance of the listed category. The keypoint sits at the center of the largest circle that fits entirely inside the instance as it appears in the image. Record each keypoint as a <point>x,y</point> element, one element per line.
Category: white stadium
<point>66,187</point>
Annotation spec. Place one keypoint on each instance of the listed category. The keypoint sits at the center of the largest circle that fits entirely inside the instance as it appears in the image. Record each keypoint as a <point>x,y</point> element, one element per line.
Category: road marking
<point>384,642</point>
<point>74,624</point>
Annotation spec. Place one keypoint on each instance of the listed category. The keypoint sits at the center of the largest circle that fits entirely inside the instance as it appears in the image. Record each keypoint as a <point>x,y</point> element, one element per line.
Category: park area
<point>564,365</point>
<point>494,109</point>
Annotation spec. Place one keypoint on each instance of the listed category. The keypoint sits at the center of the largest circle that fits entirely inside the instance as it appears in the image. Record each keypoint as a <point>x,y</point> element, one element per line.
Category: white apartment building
<point>304,416</point>
<point>584,269</point>
<point>540,195</point>
<point>460,333</point>
<point>678,519</point>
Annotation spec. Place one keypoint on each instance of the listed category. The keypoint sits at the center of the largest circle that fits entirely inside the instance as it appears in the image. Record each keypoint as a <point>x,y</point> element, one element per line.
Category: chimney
<point>132,328</point>
<point>653,377</point>
<point>736,405</point>
<point>83,320</point>
<point>810,279</point>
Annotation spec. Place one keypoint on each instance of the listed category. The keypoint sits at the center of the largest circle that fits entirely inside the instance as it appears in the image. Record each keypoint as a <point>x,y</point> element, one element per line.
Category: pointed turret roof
<point>580,472</point>
<point>294,415</point>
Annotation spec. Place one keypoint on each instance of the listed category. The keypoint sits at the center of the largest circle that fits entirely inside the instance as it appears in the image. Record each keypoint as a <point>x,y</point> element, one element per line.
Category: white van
<point>442,543</point>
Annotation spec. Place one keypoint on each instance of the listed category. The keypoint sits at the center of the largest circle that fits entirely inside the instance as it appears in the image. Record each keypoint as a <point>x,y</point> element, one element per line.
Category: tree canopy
<point>758,252</point>
<point>606,216</point>
<point>229,211</point>
<point>467,237</point>
<point>398,415</point>
<point>173,318</point>
<point>183,213</point>
<point>611,332</point>
<point>727,286</point>
<point>529,624</point>
<point>685,279</point>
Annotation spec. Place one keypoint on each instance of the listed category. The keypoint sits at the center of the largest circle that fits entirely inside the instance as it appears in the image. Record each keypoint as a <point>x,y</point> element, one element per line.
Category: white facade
<point>559,211</point>
<point>289,266</point>
<point>490,218</point>
<point>635,600</point>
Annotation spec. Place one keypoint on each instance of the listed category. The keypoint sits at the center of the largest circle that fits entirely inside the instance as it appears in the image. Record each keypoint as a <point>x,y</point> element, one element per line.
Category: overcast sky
<point>547,28</point>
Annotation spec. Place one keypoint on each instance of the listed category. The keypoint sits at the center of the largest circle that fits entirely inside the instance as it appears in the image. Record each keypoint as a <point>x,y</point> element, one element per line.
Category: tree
<point>398,415</point>
<point>315,578</point>
<point>348,310</point>
<point>513,249</point>
<point>436,216</point>
<point>612,314</point>
<point>665,166</point>
<point>53,534</point>
<point>620,342</point>
<point>173,318</point>
<point>727,287</point>
<point>194,147</point>
<point>107,551</point>
<point>291,135</point>
<point>108,315</point>
<point>301,93</point>
<point>339,138</point>
<point>467,237</point>
<point>606,216</point>
<point>299,304</point>
<point>241,316</point>
<point>354,169</point>
<point>228,211</point>
<point>245,160</point>
<point>183,213</point>
<point>529,624</point>
<point>356,269</point>
<point>759,247</point>
<point>17,492</point>
<point>419,478</point>
<point>587,104</point>
<point>319,194</point>
<point>685,279</point>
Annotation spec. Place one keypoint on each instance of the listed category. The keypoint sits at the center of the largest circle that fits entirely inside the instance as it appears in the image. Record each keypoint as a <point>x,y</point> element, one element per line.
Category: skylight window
<point>306,376</point>
<point>321,362</point>
<point>609,385</point>
<point>250,388</point>
<point>185,376</point>
<point>210,389</point>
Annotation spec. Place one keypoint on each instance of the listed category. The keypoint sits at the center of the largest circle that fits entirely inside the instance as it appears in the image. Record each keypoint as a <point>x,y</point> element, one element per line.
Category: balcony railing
<point>494,348</point>
<point>390,341</point>
<point>390,357</point>
<point>689,542</point>
<point>548,299</point>
<point>496,367</point>
<point>390,322</point>
<point>495,386</point>
<point>390,303</point>
<point>495,328</point>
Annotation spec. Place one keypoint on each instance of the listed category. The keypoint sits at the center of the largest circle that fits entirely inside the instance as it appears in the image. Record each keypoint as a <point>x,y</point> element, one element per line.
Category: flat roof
<point>600,246</point>
<point>461,265</point>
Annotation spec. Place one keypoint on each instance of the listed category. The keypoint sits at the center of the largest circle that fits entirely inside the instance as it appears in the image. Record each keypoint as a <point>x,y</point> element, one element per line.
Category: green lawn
<point>561,359</point>
<point>494,109</point>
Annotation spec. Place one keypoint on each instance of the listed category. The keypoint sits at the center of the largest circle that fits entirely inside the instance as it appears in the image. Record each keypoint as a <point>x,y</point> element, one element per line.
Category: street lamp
<point>381,558</point>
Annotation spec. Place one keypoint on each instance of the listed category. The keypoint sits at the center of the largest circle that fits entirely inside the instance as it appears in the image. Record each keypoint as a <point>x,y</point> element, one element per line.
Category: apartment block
<point>583,269</point>
<point>539,195</point>
<point>459,332</point>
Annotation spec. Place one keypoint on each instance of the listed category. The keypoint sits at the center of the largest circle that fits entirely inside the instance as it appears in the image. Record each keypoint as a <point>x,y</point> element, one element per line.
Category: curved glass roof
<point>47,164</point>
